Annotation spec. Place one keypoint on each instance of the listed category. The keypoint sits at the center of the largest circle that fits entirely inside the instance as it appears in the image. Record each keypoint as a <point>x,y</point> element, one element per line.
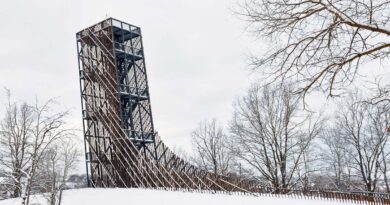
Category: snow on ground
<point>160,197</point>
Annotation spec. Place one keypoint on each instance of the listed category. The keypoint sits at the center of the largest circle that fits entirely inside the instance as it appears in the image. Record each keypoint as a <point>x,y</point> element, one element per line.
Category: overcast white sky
<point>195,55</point>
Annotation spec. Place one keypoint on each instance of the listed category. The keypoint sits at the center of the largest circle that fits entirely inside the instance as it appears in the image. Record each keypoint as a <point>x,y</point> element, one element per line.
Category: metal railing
<point>128,49</point>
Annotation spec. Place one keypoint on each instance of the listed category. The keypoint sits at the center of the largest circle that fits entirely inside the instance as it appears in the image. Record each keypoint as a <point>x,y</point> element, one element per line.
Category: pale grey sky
<point>195,55</point>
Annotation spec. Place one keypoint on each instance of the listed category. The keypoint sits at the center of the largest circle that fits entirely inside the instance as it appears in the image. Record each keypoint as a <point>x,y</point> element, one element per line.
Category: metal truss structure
<point>122,147</point>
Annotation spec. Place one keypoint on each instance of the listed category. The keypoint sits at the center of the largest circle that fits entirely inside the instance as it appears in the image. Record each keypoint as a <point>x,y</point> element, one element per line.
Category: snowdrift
<point>160,197</point>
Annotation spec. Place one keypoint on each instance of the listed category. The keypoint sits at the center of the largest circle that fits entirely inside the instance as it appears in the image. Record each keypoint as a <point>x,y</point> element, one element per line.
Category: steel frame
<point>122,148</point>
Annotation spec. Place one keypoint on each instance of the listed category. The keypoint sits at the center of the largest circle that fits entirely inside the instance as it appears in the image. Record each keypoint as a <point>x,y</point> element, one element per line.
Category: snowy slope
<point>158,197</point>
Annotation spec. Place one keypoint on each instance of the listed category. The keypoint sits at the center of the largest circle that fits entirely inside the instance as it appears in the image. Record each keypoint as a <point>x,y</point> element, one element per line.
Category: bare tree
<point>209,142</point>
<point>47,127</point>
<point>59,160</point>
<point>385,169</point>
<point>336,159</point>
<point>383,102</point>
<point>14,144</point>
<point>381,96</point>
<point>319,43</point>
<point>309,166</point>
<point>26,133</point>
<point>364,127</point>
<point>271,134</point>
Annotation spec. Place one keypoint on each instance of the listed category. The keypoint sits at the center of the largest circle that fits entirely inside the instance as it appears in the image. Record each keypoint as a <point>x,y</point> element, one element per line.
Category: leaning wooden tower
<point>122,147</point>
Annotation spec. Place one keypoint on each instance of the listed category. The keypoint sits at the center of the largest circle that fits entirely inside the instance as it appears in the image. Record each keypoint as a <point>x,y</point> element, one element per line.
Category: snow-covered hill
<point>159,197</point>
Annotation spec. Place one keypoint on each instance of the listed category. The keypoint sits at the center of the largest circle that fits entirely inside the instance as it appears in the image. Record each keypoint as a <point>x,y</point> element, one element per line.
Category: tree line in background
<point>38,153</point>
<point>315,45</point>
<point>272,138</point>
